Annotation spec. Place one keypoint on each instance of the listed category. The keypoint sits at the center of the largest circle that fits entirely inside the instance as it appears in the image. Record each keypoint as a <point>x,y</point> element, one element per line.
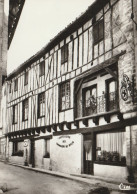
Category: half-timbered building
<point>72,106</point>
<point>8,24</point>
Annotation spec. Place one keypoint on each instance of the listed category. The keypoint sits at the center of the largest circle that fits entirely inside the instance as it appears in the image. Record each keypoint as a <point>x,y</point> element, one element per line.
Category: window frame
<point>43,102</point>
<point>107,82</point>
<point>42,68</point>
<point>23,109</point>
<point>84,90</point>
<point>16,85</point>
<point>60,96</point>
<point>64,53</point>
<point>26,78</point>
<point>14,116</point>
<point>97,25</point>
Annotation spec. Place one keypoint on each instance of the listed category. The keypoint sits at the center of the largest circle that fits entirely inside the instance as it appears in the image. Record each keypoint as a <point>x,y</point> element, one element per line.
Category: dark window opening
<point>64,54</point>
<point>16,85</point>
<point>25,110</point>
<point>90,101</point>
<point>98,31</point>
<point>26,78</point>
<point>42,68</point>
<point>65,96</point>
<point>111,95</point>
<point>15,114</point>
<point>3,78</point>
<point>41,105</point>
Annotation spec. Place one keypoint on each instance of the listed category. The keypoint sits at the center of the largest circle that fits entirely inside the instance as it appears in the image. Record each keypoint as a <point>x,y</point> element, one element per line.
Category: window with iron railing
<point>93,104</point>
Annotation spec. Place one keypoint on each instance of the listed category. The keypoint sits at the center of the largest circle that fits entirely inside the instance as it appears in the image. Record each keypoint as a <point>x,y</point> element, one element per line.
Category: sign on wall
<point>25,143</point>
<point>126,88</point>
<point>65,141</point>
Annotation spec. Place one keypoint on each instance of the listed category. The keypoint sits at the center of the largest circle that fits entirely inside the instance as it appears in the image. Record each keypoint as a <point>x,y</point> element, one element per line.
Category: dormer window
<point>64,54</point>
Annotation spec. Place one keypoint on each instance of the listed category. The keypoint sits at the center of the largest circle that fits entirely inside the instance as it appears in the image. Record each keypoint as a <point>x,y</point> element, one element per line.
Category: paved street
<point>23,181</point>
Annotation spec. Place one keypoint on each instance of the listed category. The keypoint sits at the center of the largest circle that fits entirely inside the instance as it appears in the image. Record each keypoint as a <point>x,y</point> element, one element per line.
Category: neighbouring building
<point>72,107</point>
<point>8,24</point>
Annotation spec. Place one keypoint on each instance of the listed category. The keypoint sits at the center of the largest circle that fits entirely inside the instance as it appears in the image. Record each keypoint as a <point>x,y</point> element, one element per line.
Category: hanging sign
<point>64,141</point>
<point>25,143</point>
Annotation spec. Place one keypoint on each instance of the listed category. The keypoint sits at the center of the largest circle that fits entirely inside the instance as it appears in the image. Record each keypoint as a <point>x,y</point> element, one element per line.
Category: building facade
<point>8,24</point>
<point>72,107</point>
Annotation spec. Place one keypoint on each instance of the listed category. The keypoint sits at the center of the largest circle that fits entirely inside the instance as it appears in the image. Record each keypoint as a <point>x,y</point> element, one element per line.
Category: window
<point>65,96</point>
<point>112,101</point>
<point>3,78</point>
<point>18,148</point>
<point>25,110</point>
<point>111,147</point>
<point>64,54</point>
<point>9,88</point>
<point>42,68</point>
<point>16,85</point>
<point>90,101</point>
<point>41,105</point>
<point>15,112</point>
<point>15,147</point>
<point>47,148</point>
<point>26,78</point>
<point>98,31</point>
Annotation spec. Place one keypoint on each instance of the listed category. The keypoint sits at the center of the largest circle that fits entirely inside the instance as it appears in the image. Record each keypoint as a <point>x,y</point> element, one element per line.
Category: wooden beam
<point>114,75</point>
<point>79,85</point>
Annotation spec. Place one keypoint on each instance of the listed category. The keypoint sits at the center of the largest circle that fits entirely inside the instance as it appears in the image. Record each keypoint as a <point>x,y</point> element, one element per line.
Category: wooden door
<point>88,159</point>
<point>32,153</point>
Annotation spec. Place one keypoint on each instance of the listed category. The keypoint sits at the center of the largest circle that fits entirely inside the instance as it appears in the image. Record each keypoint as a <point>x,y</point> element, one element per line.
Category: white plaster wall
<point>17,160</point>
<point>115,172</point>
<point>66,159</point>
<point>39,153</point>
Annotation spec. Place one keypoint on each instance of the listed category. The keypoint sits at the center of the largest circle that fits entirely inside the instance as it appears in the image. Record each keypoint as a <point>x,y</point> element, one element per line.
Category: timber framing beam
<point>114,75</point>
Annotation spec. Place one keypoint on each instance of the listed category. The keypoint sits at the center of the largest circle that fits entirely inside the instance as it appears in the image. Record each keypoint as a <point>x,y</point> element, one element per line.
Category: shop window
<point>90,101</point>
<point>112,97</point>
<point>26,78</point>
<point>25,110</point>
<point>64,54</point>
<point>47,148</point>
<point>16,85</point>
<point>111,148</point>
<point>98,31</point>
<point>42,68</point>
<point>41,105</point>
<point>15,114</point>
<point>65,96</point>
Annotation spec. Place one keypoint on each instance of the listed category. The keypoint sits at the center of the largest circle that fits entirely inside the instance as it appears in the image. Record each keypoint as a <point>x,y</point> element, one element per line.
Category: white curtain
<point>112,142</point>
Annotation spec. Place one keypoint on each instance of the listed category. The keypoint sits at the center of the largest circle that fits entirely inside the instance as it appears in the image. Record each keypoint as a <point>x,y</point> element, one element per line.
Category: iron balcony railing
<point>100,104</point>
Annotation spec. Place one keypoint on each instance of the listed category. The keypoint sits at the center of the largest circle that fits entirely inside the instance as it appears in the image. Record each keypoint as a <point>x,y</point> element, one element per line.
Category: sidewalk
<point>89,179</point>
